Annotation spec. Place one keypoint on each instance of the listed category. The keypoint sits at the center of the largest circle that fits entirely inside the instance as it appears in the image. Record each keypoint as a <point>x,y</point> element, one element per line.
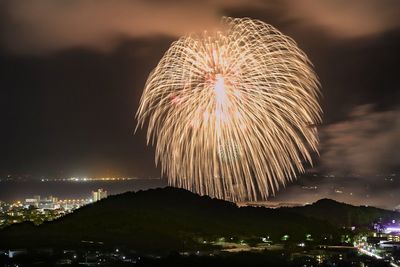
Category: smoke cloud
<point>367,143</point>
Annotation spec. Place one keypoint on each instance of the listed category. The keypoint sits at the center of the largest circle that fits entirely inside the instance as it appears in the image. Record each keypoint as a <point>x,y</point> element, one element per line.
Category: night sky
<point>72,73</point>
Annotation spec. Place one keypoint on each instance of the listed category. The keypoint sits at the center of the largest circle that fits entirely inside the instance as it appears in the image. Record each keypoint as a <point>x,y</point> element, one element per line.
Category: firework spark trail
<point>232,112</point>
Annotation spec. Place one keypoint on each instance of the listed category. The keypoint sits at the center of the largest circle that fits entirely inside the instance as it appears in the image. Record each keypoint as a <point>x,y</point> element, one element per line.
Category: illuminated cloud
<point>50,25</point>
<point>347,19</point>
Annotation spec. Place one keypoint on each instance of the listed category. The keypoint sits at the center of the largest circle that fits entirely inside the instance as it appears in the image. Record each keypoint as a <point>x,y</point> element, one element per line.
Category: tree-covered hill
<point>174,219</point>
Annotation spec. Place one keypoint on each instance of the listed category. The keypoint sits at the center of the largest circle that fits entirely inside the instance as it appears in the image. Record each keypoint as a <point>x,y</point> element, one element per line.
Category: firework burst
<point>231,113</point>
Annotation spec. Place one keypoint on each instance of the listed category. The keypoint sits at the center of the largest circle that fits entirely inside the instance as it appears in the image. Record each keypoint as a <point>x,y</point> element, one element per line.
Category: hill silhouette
<point>168,219</point>
<point>344,215</point>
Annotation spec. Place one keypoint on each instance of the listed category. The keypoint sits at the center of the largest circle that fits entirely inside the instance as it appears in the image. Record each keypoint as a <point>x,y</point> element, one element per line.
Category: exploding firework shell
<point>229,152</point>
<point>246,91</point>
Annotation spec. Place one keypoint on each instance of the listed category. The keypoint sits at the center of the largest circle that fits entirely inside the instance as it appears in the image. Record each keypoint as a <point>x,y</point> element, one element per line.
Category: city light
<point>39,210</point>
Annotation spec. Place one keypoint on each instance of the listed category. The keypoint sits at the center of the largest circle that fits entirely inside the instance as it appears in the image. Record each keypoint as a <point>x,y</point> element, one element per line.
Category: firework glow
<point>232,113</point>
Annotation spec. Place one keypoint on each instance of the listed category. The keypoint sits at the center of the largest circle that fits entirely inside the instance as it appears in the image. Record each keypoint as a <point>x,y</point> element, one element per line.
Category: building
<point>48,203</point>
<point>31,202</point>
<point>99,194</point>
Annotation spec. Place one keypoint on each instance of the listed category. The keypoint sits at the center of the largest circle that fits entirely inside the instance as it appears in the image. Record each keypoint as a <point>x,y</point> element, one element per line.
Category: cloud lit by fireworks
<point>232,113</point>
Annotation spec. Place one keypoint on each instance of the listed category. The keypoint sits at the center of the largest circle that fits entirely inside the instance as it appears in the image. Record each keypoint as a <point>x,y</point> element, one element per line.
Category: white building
<point>99,194</point>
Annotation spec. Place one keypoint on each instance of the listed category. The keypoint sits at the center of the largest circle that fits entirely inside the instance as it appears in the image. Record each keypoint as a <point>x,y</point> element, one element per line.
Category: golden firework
<point>231,112</point>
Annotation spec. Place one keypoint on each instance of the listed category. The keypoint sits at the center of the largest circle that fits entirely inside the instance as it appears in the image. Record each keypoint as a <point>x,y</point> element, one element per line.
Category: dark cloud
<point>367,143</point>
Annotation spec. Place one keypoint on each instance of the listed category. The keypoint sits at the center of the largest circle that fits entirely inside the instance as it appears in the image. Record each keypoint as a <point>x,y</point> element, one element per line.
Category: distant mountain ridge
<point>174,219</point>
<point>343,214</point>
